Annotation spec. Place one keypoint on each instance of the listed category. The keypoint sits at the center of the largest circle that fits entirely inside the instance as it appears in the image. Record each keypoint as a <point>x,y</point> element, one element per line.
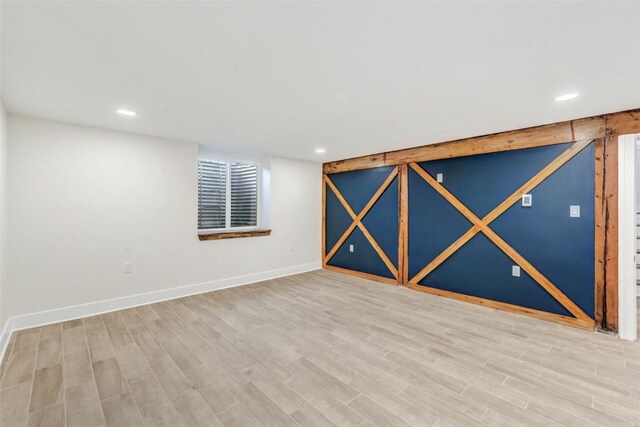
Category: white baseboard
<point>32,320</point>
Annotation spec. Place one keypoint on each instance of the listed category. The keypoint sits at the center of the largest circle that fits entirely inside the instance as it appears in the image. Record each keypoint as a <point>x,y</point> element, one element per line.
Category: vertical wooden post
<point>610,296</point>
<point>324,220</point>
<point>403,225</point>
<point>600,232</point>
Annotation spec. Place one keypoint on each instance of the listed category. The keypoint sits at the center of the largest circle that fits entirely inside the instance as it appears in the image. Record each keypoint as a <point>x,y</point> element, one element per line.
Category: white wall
<point>627,304</point>
<point>3,205</point>
<point>82,201</point>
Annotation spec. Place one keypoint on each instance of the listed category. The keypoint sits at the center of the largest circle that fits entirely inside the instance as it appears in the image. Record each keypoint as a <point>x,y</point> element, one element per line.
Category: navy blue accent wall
<point>382,222</point>
<point>337,219</point>
<point>481,269</point>
<point>433,223</point>
<point>364,258</point>
<point>482,182</point>
<point>357,188</point>
<point>560,247</point>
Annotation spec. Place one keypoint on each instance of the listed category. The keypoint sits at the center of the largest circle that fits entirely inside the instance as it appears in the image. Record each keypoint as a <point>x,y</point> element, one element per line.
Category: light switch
<point>515,270</point>
<point>527,200</point>
<point>574,211</point>
<point>350,248</point>
<point>439,177</point>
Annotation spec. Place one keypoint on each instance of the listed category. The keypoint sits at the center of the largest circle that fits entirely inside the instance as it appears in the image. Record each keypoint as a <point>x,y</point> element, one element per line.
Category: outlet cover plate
<point>515,270</point>
<point>574,211</point>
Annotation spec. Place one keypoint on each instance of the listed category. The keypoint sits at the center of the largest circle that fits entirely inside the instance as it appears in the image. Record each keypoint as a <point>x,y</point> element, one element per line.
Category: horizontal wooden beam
<point>573,130</point>
<point>361,275</point>
<point>233,234</point>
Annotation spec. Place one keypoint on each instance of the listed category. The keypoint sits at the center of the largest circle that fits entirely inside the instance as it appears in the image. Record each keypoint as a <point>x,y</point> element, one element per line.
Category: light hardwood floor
<point>317,349</point>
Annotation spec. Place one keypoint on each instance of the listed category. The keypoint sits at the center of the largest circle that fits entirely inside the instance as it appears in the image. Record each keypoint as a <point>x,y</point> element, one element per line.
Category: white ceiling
<point>284,78</point>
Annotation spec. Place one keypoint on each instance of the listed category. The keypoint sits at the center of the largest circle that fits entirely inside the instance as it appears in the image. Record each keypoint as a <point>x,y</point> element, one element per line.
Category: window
<point>227,195</point>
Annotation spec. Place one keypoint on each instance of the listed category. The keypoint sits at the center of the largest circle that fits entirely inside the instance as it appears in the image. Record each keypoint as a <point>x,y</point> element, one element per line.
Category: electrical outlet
<point>574,211</point>
<point>515,270</point>
<point>292,249</point>
<point>128,267</point>
<point>527,200</point>
<point>350,248</point>
<point>439,177</point>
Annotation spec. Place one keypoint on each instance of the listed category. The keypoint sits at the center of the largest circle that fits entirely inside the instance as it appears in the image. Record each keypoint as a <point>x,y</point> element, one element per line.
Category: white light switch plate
<point>439,177</point>
<point>527,200</point>
<point>350,248</point>
<point>574,211</point>
<point>515,270</point>
<point>128,267</point>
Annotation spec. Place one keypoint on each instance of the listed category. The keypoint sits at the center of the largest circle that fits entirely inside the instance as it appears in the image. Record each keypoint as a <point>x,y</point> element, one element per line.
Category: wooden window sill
<point>233,234</point>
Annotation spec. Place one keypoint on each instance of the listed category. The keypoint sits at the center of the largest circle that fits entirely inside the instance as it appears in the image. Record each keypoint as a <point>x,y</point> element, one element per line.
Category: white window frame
<point>227,221</point>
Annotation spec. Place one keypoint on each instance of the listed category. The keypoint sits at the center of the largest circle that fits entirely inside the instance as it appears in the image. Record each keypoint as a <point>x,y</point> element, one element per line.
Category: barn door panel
<point>481,269</point>
<point>486,190</point>
<point>370,199</point>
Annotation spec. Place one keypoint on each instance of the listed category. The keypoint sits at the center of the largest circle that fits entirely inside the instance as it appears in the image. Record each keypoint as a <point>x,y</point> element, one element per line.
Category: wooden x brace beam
<point>357,221</point>
<point>482,225</point>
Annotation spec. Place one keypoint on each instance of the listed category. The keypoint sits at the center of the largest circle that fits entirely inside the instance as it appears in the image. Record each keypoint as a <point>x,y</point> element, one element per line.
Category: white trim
<point>42,318</point>
<point>627,309</point>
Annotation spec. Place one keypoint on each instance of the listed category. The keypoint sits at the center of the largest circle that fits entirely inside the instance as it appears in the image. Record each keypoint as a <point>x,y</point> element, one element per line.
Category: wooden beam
<point>556,293</point>
<point>587,324</point>
<point>349,229</point>
<point>545,173</point>
<point>340,197</point>
<point>462,240</point>
<point>361,275</point>
<point>453,200</point>
<point>233,234</point>
<point>324,219</point>
<point>625,122</point>
<point>403,225</point>
<point>610,295</point>
<point>600,232</point>
<point>376,247</point>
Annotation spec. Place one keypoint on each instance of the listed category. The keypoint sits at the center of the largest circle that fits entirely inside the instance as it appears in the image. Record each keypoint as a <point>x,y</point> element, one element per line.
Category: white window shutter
<point>244,195</point>
<point>212,194</point>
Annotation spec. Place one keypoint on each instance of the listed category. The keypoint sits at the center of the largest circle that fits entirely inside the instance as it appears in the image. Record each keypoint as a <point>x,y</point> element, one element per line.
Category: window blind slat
<point>244,195</point>
<point>212,194</point>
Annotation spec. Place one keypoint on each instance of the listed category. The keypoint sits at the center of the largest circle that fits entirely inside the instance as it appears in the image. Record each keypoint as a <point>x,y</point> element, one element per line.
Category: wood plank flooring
<point>317,349</point>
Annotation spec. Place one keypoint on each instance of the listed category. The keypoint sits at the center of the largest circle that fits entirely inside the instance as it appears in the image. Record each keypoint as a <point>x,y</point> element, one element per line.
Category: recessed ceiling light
<point>567,96</point>
<point>320,150</point>
<point>125,112</point>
